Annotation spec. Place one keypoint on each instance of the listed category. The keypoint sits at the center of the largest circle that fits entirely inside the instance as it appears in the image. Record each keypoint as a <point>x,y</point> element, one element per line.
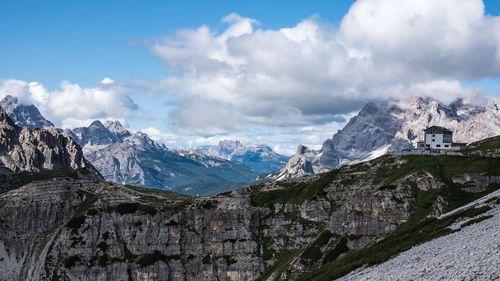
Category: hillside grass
<point>295,193</point>
<point>442,166</point>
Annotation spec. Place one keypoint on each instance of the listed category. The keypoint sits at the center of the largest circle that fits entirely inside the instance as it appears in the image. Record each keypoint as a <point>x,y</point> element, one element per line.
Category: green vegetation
<point>313,252</point>
<point>132,208</point>
<point>79,217</point>
<point>476,220</point>
<point>402,239</point>
<point>338,250</point>
<point>293,193</point>
<point>283,259</point>
<point>483,146</point>
<point>75,223</point>
<point>442,166</point>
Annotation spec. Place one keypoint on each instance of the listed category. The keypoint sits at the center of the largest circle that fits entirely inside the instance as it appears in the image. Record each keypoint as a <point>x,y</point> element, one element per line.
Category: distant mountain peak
<point>24,115</point>
<point>260,157</point>
<point>28,150</point>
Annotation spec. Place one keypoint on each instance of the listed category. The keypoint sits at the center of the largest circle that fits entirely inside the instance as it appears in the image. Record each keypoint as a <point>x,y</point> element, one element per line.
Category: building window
<point>433,135</point>
<point>438,145</point>
<point>446,145</point>
<point>433,139</point>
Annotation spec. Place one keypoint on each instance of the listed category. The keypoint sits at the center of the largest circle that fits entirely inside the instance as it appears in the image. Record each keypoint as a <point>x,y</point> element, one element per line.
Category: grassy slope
<point>416,230</point>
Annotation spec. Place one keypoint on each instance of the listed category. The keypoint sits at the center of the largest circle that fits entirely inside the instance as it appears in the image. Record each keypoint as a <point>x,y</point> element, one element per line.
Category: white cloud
<point>160,136</point>
<point>73,105</point>
<point>424,39</point>
<point>107,81</point>
<point>312,72</point>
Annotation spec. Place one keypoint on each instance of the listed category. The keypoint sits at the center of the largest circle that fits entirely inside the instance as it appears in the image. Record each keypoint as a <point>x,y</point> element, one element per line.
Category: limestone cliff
<point>25,151</point>
<point>81,229</point>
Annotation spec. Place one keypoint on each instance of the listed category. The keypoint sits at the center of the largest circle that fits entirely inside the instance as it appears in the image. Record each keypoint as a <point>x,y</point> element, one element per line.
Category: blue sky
<point>133,43</point>
<point>84,41</point>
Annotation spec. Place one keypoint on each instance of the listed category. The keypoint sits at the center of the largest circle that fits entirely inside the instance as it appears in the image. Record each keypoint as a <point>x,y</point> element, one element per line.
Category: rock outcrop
<point>34,150</point>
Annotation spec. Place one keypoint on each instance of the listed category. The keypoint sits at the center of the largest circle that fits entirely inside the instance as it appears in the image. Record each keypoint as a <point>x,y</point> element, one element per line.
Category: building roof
<point>438,130</point>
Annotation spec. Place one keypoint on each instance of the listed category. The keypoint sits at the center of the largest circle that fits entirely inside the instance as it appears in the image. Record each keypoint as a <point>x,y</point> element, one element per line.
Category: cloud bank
<point>313,72</point>
<point>73,105</point>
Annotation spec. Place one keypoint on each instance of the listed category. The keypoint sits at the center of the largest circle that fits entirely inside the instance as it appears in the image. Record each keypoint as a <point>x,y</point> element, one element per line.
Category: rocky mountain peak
<point>261,158</point>
<point>33,150</point>
<point>302,149</point>
<point>24,115</point>
<point>116,127</point>
<point>5,119</point>
<point>385,126</point>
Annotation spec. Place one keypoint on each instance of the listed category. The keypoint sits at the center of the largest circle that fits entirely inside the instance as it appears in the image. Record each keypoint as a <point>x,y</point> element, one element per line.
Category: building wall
<point>438,141</point>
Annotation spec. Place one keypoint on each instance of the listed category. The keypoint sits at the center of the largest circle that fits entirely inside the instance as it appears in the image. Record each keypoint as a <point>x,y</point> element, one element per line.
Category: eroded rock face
<point>476,182</point>
<point>34,150</point>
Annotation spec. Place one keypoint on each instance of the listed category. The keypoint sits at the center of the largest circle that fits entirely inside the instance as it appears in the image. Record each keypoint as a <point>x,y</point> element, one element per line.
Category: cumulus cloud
<point>73,105</point>
<point>160,136</point>
<point>424,39</point>
<point>312,72</point>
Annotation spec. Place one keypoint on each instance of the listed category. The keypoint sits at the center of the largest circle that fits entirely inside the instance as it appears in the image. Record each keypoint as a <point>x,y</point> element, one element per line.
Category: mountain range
<point>385,126</point>
<point>391,218</point>
<point>124,156</point>
<point>133,158</point>
<point>259,157</point>
<point>127,157</point>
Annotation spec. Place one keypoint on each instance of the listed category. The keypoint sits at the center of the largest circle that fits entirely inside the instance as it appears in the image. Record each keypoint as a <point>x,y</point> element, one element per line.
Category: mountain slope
<point>313,228</point>
<point>133,158</point>
<point>466,254</point>
<point>24,115</point>
<point>385,126</point>
<point>260,158</point>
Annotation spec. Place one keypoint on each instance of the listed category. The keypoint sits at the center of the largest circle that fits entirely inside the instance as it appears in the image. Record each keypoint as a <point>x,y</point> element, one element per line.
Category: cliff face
<point>77,229</point>
<point>36,153</point>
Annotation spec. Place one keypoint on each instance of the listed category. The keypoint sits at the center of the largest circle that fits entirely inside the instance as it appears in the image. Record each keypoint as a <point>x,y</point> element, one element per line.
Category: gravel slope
<point>472,253</point>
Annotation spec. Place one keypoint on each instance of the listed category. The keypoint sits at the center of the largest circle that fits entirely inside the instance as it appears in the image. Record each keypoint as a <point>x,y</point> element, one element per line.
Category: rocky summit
<point>312,228</point>
<point>381,127</point>
<point>259,157</point>
<point>24,115</point>
<point>29,153</point>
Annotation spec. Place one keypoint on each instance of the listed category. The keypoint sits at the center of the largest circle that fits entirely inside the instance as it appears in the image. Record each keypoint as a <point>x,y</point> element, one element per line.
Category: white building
<point>437,138</point>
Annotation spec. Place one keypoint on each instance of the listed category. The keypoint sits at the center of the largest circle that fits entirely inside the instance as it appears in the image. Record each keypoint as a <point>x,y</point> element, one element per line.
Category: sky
<point>282,73</point>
